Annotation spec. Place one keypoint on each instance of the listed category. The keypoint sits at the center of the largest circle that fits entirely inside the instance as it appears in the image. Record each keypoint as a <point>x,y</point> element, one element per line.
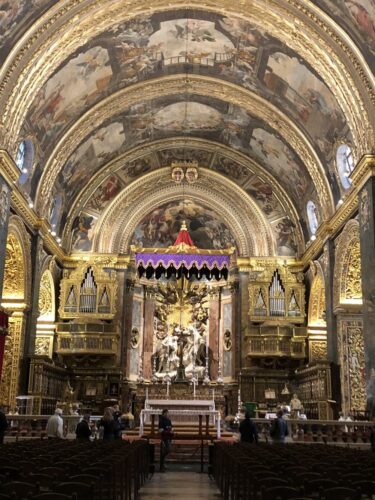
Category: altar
<point>182,412</point>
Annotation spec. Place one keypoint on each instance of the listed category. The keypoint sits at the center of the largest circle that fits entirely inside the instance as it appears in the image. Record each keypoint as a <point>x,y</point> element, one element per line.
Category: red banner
<point>4,323</point>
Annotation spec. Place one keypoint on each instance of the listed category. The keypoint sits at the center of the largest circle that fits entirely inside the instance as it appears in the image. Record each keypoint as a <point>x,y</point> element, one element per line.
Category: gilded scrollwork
<point>14,275</point>
<point>347,287</point>
<point>42,346</point>
<point>45,295</point>
<point>317,302</point>
<point>318,350</point>
<point>352,362</point>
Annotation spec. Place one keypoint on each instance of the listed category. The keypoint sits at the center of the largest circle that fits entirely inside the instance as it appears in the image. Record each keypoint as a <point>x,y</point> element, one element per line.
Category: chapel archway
<point>317,327</point>
<point>16,293</point>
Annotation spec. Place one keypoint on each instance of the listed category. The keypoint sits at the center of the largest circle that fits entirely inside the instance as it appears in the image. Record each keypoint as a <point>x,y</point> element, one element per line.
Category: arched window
<point>312,218</point>
<point>345,164</point>
<point>24,159</point>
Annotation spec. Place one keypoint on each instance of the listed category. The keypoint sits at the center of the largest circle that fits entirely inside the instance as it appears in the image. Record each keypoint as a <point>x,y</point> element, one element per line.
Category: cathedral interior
<point>187,203</point>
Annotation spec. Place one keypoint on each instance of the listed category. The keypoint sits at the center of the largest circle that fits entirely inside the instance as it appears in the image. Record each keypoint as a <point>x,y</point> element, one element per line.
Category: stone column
<point>213,339</point>
<point>328,263</point>
<point>148,331</point>
<point>364,177</point>
<point>9,174</point>
<point>31,316</point>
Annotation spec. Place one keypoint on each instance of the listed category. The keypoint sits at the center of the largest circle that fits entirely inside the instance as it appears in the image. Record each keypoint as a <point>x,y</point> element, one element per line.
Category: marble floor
<point>180,484</point>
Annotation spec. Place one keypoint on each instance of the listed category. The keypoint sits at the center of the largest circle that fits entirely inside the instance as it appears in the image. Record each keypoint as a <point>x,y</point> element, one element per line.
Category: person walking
<point>279,428</point>
<point>83,431</point>
<point>248,430</point>
<point>54,427</point>
<point>165,429</point>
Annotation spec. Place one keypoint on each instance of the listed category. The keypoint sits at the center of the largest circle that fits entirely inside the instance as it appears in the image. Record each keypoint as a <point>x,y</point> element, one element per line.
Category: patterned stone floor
<point>179,485</point>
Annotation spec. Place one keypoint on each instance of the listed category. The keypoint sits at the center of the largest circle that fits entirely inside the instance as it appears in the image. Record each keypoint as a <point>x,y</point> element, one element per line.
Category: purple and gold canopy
<point>183,254</point>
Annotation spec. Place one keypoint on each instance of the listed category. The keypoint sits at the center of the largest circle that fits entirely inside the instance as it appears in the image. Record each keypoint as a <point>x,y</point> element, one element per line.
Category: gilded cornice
<point>30,218</point>
<point>195,85</point>
<point>247,264</point>
<point>248,224</point>
<point>363,171</point>
<point>8,169</point>
<point>215,148</point>
<point>297,23</point>
<point>110,260</point>
<point>360,175</point>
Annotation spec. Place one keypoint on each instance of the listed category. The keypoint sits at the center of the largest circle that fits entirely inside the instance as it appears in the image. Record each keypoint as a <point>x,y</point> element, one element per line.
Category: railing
<point>100,344</point>
<point>276,346</point>
<point>34,426</point>
<point>330,432</point>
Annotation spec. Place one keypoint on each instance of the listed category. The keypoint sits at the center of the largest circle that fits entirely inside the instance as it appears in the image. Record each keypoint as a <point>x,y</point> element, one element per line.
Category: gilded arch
<point>45,327</point>
<point>16,299</point>
<point>116,226</point>
<point>317,302</point>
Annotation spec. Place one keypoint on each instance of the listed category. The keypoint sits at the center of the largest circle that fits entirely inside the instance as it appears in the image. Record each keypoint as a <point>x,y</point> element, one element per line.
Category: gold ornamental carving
<point>45,295</point>
<point>176,85</point>
<point>352,362</point>
<point>347,289</point>
<point>14,275</point>
<point>12,353</point>
<point>317,302</point>
<point>317,39</point>
<point>317,350</point>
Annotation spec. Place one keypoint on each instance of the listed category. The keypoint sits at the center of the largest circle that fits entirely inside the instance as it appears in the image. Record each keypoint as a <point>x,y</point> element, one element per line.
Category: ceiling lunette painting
<point>347,98</point>
<point>251,179</point>
<point>197,86</point>
<point>115,228</point>
<point>161,153</point>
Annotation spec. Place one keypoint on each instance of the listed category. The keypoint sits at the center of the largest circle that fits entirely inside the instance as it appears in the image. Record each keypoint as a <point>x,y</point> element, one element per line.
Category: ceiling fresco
<point>15,17</point>
<point>357,18</point>
<point>205,43</point>
<point>184,42</point>
<point>207,118</point>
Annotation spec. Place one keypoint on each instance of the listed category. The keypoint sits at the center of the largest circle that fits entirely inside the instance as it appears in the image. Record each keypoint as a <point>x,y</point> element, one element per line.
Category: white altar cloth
<point>181,411</point>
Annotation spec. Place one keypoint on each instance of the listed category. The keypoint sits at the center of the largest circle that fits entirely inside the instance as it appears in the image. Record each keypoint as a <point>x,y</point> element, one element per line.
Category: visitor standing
<point>107,423</point>
<point>279,428</point>
<point>83,431</point>
<point>165,429</point>
<point>55,423</point>
<point>248,430</point>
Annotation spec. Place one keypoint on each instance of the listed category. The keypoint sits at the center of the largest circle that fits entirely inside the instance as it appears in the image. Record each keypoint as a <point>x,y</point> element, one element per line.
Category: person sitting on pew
<point>248,430</point>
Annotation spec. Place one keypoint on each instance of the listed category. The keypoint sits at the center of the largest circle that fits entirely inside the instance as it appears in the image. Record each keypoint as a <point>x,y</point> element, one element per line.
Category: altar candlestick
<point>146,393</point>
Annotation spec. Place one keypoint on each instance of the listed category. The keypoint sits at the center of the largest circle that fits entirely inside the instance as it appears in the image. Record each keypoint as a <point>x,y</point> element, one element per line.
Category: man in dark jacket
<point>248,430</point>
<point>165,429</point>
<point>83,431</point>
<point>3,425</point>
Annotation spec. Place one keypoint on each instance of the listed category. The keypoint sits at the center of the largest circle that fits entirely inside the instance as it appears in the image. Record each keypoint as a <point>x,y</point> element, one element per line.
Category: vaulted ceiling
<point>259,92</point>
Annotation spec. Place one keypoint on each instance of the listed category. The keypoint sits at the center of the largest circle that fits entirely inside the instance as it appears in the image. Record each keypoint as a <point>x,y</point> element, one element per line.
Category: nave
<point>181,484</point>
